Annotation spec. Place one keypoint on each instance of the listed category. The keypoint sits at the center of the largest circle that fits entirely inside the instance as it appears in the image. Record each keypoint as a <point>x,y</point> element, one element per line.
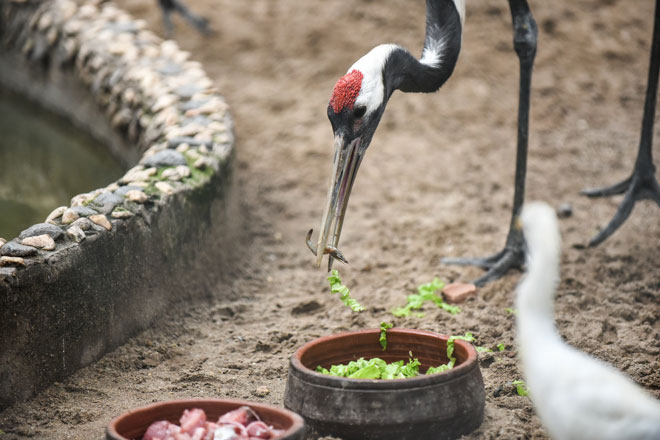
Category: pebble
<point>81,199</point>
<point>6,261</point>
<point>194,154</point>
<point>75,233</point>
<point>122,191</point>
<point>138,173</point>
<point>139,184</point>
<point>165,158</point>
<point>182,148</point>
<point>261,391</point>
<point>122,214</point>
<point>40,229</point>
<point>170,69</point>
<point>162,102</point>
<point>14,249</point>
<point>176,173</point>
<point>188,90</point>
<point>70,216</point>
<point>56,213</point>
<point>106,202</point>
<point>84,224</point>
<point>2,242</point>
<point>136,196</point>
<point>101,220</point>
<point>165,188</point>
<point>176,141</point>
<point>40,241</point>
<point>202,163</point>
<point>456,293</point>
<point>114,186</point>
<point>83,211</point>
<point>564,210</point>
<point>7,272</point>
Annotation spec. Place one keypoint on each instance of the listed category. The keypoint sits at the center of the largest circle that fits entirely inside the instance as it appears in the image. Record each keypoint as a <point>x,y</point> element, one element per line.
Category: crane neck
<point>444,28</point>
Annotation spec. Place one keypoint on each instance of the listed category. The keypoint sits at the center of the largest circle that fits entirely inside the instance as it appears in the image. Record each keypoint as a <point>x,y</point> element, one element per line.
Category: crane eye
<point>359,112</point>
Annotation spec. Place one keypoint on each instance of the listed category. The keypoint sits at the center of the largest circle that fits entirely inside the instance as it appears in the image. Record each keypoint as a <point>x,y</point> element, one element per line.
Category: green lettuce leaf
<point>425,293</point>
<point>383,334</point>
<point>344,293</point>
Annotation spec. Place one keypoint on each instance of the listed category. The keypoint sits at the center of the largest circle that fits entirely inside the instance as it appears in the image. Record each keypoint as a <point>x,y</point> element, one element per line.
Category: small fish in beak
<point>329,249</point>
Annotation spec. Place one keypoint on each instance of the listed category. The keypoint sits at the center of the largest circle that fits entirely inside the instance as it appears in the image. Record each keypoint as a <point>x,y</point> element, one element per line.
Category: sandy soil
<point>436,182</point>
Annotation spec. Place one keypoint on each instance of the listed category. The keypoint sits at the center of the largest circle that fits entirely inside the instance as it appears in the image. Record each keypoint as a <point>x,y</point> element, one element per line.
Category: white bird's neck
<point>535,321</point>
<point>536,292</point>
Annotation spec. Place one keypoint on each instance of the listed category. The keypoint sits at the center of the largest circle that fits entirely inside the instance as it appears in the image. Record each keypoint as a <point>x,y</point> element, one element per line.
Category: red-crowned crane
<point>359,99</point>
<point>170,6</point>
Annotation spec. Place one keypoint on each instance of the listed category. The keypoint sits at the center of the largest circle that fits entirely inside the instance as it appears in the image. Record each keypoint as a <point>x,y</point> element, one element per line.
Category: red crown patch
<point>346,91</point>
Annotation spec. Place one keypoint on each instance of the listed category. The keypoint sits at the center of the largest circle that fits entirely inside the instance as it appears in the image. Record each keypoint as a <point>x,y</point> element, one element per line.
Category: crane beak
<point>345,165</point>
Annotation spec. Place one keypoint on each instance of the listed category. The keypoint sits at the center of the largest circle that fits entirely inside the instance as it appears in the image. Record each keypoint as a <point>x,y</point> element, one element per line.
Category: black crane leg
<point>642,184</point>
<point>199,23</point>
<point>525,35</point>
<point>169,6</point>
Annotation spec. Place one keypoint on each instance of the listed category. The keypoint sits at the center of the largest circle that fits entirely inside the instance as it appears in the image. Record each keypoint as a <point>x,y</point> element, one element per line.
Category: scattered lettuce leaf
<point>337,287</point>
<point>501,347</point>
<point>484,349</point>
<point>521,387</point>
<point>511,311</point>
<point>383,334</point>
<point>425,292</point>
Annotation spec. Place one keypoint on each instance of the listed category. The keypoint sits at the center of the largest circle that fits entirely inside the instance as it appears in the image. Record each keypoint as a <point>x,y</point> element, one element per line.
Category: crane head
<point>355,108</point>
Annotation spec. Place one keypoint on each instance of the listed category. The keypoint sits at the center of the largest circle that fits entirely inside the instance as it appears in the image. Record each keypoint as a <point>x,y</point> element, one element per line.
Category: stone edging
<point>157,106</point>
<point>148,89</point>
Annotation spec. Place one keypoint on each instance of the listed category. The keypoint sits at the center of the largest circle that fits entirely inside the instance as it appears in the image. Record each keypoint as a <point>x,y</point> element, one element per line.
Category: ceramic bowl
<point>133,424</point>
<point>437,406</point>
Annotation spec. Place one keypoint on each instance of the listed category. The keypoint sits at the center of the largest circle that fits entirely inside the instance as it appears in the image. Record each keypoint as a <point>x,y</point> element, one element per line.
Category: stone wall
<point>104,267</point>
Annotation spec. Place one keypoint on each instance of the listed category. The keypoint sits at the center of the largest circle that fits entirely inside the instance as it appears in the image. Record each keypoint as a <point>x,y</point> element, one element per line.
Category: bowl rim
<point>309,375</point>
<point>298,421</point>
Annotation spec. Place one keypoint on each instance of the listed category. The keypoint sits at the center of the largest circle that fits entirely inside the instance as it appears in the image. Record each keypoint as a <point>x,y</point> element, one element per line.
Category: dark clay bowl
<point>438,406</point>
<point>133,424</point>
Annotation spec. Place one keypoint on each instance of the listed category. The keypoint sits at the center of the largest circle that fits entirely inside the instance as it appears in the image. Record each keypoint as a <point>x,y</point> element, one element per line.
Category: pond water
<point>44,161</point>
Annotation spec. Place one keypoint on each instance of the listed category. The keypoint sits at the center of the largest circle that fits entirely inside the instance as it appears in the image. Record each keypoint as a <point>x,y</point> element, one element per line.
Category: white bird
<point>576,396</point>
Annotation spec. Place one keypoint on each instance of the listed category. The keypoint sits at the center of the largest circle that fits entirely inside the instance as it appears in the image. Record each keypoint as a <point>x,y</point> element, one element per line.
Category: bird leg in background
<point>525,35</point>
<point>329,249</point>
<point>642,184</point>
<point>170,6</point>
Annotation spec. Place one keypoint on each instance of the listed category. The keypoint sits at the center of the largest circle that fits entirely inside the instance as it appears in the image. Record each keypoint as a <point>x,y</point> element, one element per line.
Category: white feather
<point>575,395</point>
<point>371,65</point>
<point>434,49</point>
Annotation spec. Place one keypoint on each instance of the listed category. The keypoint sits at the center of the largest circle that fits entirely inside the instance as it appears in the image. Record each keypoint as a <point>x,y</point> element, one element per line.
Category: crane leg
<point>525,35</point>
<point>642,184</point>
<point>170,6</point>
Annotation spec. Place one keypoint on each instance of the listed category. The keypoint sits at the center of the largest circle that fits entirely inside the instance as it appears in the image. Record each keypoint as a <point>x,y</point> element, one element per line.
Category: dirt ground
<point>437,181</point>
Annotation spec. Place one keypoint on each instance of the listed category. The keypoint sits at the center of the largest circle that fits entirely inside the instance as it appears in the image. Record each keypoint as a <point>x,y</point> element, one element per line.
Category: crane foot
<point>617,188</point>
<point>497,265</point>
<point>635,188</point>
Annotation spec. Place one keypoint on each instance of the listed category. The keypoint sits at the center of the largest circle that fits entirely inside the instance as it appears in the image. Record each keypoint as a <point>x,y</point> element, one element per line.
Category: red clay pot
<point>438,406</point>
<point>133,424</point>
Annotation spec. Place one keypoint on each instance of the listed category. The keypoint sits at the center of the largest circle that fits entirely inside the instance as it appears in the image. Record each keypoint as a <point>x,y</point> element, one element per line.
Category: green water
<point>44,161</point>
